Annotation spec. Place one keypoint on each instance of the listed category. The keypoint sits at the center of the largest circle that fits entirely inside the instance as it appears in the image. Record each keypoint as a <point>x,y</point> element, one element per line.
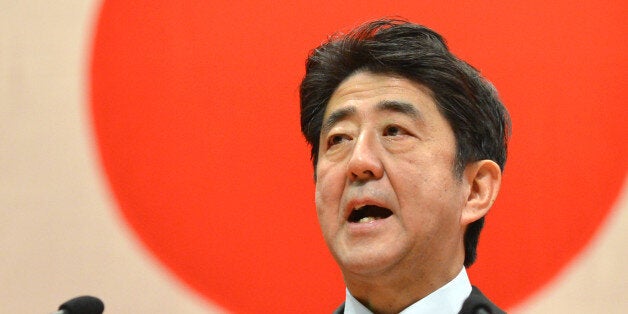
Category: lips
<point>369,213</point>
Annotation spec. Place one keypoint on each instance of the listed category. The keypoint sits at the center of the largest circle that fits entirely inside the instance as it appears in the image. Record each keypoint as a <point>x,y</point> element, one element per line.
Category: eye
<point>393,130</point>
<point>337,139</point>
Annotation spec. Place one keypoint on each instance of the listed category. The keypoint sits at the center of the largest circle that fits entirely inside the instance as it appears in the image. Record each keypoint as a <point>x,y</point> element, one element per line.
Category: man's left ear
<point>484,178</point>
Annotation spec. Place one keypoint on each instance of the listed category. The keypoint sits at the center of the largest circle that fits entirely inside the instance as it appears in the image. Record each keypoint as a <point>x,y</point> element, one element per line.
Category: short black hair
<point>470,103</point>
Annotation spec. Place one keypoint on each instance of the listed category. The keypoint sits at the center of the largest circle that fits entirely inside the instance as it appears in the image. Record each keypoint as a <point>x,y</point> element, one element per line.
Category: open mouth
<point>369,213</point>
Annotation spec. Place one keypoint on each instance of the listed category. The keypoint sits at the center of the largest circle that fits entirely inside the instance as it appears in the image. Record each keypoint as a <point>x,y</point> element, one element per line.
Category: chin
<point>365,263</point>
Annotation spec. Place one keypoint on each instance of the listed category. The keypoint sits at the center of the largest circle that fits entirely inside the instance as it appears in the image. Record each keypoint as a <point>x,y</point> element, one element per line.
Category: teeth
<point>366,219</point>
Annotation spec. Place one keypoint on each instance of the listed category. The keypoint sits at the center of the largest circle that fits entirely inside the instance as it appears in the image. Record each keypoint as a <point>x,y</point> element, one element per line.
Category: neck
<point>392,292</point>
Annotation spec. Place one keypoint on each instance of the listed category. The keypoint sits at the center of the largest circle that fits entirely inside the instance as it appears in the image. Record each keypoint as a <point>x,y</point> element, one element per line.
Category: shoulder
<point>478,303</point>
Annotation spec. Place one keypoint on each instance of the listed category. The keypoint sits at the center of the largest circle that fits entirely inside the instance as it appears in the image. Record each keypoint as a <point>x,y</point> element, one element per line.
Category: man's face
<point>386,195</point>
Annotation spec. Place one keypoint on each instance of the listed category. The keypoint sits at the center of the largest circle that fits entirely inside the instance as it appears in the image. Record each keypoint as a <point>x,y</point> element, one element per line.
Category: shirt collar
<point>445,300</point>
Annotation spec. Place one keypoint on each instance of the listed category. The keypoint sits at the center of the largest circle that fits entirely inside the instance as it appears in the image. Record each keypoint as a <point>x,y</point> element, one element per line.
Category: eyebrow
<point>400,107</point>
<point>337,115</point>
<point>387,105</point>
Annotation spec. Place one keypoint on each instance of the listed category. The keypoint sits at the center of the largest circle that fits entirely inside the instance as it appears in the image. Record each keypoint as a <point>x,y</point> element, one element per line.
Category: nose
<point>365,163</point>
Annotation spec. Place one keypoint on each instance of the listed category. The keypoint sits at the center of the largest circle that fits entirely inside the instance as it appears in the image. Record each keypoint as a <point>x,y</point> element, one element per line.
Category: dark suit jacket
<point>476,303</point>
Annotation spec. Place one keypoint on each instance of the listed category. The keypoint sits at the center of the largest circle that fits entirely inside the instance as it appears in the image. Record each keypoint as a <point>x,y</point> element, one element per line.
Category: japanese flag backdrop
<point>150,153</point>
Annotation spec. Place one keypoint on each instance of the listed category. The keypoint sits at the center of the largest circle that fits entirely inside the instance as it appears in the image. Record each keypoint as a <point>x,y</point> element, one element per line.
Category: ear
<point>484,178</point>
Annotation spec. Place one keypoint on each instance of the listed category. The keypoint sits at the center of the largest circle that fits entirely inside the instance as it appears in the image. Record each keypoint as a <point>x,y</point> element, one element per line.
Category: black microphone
<point>82,305</point>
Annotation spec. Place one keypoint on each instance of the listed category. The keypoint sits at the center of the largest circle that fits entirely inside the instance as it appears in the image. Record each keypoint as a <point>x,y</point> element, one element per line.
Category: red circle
<point>195,108</point>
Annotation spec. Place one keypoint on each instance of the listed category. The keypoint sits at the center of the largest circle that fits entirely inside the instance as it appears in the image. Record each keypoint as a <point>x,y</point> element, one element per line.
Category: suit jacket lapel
<point>477,303</point>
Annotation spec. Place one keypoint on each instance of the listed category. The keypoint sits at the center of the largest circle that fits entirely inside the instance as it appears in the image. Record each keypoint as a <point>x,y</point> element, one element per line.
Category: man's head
<point>393,56</point>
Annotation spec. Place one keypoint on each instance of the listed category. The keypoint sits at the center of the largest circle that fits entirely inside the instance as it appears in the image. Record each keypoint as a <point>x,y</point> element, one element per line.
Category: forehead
<point>364,88</point>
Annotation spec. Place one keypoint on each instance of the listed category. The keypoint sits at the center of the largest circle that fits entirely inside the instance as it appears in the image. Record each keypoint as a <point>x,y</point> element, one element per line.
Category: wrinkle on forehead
<point>366,87</point>
<point>362,84</point>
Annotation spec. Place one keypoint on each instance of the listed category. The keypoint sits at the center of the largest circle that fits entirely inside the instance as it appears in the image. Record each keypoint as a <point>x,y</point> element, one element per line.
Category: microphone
<point>82,305</point>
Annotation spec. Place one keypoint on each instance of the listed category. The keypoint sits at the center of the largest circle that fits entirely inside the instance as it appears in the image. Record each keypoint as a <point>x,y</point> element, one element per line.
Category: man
<point>408,145</point>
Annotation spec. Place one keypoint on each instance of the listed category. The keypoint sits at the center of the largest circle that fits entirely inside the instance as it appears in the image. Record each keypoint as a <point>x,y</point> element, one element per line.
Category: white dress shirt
<point>448,299</point>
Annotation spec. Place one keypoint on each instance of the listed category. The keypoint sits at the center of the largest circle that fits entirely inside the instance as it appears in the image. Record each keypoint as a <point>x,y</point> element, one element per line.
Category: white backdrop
<point>60,234</point>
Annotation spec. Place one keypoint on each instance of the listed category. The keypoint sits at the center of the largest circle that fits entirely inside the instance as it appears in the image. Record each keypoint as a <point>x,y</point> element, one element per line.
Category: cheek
<point>320,204</point>
<point>329,188</point>
<point>325,213</point>
<point>326,198</point>
<point>427,197</point>
<point>329,181</point>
